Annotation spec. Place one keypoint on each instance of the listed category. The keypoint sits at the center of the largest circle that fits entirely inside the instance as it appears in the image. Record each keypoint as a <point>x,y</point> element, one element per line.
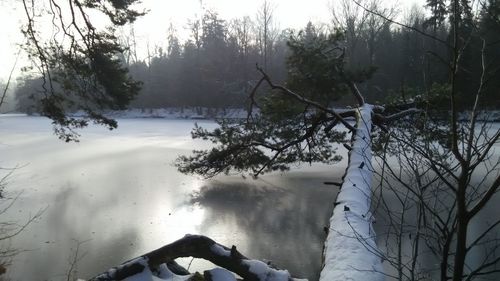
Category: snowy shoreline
<point>163,113</point>
<point>213,113</point>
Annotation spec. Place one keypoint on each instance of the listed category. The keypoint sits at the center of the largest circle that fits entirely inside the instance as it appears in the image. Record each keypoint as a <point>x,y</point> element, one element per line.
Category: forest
<point>216,67</point>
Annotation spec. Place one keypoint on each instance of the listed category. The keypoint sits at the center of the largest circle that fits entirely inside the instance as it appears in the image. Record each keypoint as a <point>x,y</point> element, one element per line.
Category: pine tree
<point>81,69</point>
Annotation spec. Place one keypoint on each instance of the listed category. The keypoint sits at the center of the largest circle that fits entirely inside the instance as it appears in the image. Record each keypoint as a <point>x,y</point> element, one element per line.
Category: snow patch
<point>162,274</point>
<point>221,274</point>
<point>220,251</point>
<point>264,272</point>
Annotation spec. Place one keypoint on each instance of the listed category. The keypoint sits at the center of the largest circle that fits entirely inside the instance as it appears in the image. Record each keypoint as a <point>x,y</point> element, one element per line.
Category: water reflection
<point>119,191</point>
<point>71,216</point>
<point>279,218</point>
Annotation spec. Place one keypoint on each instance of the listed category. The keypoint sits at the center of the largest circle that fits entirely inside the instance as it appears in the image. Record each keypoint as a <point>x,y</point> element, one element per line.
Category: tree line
<point>215,67</point>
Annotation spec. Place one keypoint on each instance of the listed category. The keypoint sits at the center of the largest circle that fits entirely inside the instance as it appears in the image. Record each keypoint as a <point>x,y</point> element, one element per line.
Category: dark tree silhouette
<point>79,65</point>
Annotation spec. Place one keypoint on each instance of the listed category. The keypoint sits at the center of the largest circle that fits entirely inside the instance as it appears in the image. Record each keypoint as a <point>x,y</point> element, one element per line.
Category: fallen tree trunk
<point>158,264</point>
<point>350,251</point>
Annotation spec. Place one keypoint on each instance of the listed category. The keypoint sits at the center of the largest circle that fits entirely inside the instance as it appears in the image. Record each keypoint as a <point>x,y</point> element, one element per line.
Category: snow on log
<point>219,274</point>
<point>350,251</point>
<point>158,264</point>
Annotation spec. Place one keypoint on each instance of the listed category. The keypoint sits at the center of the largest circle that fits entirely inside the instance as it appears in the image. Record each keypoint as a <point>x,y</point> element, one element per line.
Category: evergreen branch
<point>304,100</point>
<point>279,150</point>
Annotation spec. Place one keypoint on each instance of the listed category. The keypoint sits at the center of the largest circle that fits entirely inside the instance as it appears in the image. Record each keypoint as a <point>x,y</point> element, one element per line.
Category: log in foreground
<point>160,265</point>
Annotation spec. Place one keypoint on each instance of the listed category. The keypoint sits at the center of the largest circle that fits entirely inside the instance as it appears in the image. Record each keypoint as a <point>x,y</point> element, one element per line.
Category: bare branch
<point>403,25</point>
<point>6,88</point>
<point>356,93</point>
<point>72,273</point>
<point>399,115</point>
<point>483,234</point>
<point>485,199</point>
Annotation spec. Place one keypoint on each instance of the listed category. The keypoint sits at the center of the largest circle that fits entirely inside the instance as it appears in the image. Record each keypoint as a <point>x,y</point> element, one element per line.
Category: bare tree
<point>350,18</point>
<point>266,31</point>
<point>9,229</point>
<point>196,33</point>
<point>75,257</point>
<point>5,89</point>
<point>129,42</point>
<point>362,32</point>
<point>241,28</point>
<point>450,174</point>
<point>374,26</point>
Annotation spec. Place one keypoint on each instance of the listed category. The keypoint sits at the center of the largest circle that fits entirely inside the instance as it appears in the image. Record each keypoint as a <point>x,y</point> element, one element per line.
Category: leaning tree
<point>297,123</point>
<point>447,169</point>
<point>285,125</point>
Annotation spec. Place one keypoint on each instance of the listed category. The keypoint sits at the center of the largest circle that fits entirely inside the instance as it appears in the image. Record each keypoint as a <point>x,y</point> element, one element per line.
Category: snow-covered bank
<point>211,113</point>
<point>173,113</point>
<point>350,250</point>
<point>166,113</point>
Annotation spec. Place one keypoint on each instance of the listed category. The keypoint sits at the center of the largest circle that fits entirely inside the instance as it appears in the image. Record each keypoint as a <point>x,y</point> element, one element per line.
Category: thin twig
<point>403,25</point>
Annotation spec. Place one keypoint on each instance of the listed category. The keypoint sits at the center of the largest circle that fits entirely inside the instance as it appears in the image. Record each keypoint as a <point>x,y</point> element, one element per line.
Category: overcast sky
<point>152,27</point>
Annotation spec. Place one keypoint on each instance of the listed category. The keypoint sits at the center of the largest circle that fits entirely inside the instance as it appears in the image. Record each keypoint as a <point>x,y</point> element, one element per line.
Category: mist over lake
<point>118,193</point>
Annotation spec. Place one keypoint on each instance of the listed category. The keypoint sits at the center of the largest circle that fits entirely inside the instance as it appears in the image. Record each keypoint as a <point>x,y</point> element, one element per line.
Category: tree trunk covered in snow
<point>161,265</point>
<point>350,251</point>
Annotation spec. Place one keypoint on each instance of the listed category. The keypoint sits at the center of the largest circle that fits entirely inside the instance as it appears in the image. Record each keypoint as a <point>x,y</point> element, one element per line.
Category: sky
<point>152,28</point>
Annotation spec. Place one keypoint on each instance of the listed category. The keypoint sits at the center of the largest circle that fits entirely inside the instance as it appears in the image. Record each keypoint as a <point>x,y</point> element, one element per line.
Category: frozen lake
<point>118,191</point>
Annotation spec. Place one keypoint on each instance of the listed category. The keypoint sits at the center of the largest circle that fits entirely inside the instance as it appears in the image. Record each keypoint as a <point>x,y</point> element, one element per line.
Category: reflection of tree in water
<point>282,222</point>
<point>62,225</point>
